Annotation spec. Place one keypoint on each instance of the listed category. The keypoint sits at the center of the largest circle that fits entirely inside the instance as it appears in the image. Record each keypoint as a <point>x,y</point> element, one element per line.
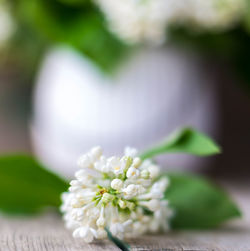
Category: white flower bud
<point>152,205</point>
<point>117,229</point>
<point>154,171</point>
<point>136,162</point>
<point>101,233</point>
<point>80,174</point>
<point>131,190</point>
<point>93,213</point>
<point>85,233</point>
<point>76,233</point>
<point>122,204</point>
<point>131,152</point>
<point>145,174</point>
<point>128,161</point>
<point>117,184</point>
<point>77,213</point>
<point>106,198</point>
<point>160,186</point>
<point>132,173</point>
<point>130,205</point>
<point>84,161</point>
<point>75,183</point>
<point>75,203</point>
<point>115,164</point>
<point>96,152</point>
<point>100,222</point>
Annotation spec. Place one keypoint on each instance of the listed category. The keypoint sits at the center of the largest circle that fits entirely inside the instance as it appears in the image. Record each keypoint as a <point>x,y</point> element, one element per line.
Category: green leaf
<point>187,141</point>
<point>26,187</point>
<point>119,243</point>
<point>80,26</point>
<point>198,204</point>
<point>75,2</point>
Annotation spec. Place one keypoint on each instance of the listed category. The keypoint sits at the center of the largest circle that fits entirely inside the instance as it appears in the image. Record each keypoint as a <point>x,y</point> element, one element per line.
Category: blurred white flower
<point>137,20</point>
<point>130,151</point>
<point>214,14</point>
<point>147,20</point>
<point>6,23</point>
<point>115,198</point>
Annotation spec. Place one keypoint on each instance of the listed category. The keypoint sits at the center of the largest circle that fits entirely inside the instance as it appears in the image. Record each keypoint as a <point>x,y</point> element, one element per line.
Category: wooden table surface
<point>47,233</point>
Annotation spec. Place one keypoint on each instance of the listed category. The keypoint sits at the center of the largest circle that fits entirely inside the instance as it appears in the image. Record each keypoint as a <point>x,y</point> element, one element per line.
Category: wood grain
<point>47,233</point>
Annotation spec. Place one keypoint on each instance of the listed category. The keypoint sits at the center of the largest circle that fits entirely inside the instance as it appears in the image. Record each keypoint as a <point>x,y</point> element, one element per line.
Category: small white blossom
<point>118,229</point>
<point>130,151</point>
<point>152,205</point>
<point>136,162</point>
<point>132,173</point>
<point>132,190</point>
<point>145,174</point>
<point>101,220</point>
<point>160,186</point>
<point>107,197</point>
<point>96,153</point>
<point>102,165</point>
<point>122,204</point>
<point>116,165</point>
<point>117,184</point>
<point>153,171</point>
<point>101,233</point>
<point>84,161</point>
<point>148,20</point>
<point>84,232</point>
<point>114,192</point>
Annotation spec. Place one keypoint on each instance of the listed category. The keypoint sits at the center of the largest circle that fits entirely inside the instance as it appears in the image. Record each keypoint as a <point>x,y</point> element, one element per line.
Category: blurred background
<point>79,73</point>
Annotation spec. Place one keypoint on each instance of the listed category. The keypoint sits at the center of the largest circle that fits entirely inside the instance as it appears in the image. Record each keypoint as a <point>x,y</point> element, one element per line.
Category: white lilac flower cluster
<point>147,20</point>
<point>124,195</point>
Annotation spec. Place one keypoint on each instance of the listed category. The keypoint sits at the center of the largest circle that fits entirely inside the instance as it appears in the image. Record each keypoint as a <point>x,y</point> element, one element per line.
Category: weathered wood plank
<point>47,233</point>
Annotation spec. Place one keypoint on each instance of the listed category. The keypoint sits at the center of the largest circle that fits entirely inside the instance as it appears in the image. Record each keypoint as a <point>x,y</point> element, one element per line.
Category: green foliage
<point>187,141</point>
<point>26,187</point>
<point>231,46</point>
<point>75,2</point>
<point>78,24</point>
<point>198,204</point>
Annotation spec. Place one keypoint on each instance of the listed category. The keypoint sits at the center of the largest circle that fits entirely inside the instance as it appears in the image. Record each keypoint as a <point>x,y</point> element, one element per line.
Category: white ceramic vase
<point>155,91</point>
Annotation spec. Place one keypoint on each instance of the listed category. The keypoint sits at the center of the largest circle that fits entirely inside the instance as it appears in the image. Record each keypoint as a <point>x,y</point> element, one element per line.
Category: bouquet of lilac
<point>124,194</point>
<point>120,197</point>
